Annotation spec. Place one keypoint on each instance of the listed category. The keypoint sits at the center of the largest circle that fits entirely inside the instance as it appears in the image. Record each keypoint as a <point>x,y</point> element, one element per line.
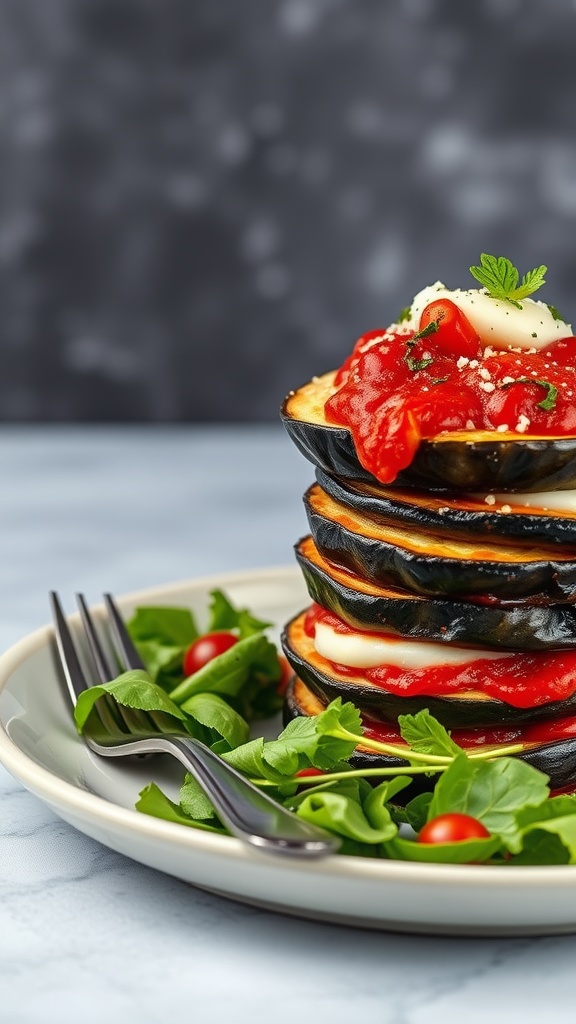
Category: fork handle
<point>248,812</point>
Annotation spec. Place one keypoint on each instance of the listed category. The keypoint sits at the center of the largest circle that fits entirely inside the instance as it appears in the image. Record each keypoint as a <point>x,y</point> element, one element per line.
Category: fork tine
<point>73,673</point>
<point>121,636</point>
<point>103,667</point>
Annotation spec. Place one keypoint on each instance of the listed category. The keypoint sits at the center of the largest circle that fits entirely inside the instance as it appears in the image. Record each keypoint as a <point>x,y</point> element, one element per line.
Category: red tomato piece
<point>455,335</point>
<point>452,828</point>
<point>205,649</point>
<point>286,676</point>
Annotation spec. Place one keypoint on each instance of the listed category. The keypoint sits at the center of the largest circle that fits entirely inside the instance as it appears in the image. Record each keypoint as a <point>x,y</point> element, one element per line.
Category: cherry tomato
<point>205,648</point>
<point>452,828</point>
<point>455,335</point>
<point>306,773</point>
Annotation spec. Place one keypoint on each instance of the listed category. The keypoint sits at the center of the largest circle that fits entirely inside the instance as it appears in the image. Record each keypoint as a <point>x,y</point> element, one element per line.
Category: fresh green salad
<point>484,807</point>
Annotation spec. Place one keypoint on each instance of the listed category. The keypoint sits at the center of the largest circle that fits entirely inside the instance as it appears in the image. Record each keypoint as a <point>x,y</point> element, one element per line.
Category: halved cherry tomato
<point>452,828</point>
<point>455,335</point>
<point>205,648</point>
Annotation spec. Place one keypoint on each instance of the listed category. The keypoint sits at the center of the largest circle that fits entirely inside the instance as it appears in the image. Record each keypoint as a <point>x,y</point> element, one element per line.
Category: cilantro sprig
<point>500,279</point>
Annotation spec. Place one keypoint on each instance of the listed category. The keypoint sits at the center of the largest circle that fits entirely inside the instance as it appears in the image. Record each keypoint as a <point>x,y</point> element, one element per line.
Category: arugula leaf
<point>491,791</point>
<point>564,829</point>
<point>171,627</point>
<point>417,811</point>
<point>541,847</point>
<point>132,689</point>
<point>163,662</point>
<point>193,800</point>
<point>223,615</point>
<point>500,279</point>
<point>465,851</point>
<point>425,734</point>
<point>229,672</point>
<point>339,812</point>
<point>223,728</point>
<point>154,802</point>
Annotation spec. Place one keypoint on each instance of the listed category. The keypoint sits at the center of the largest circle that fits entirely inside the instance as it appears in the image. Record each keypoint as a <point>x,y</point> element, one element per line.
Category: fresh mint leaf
<point>425,734</point>
<point>531,282</point>
<point>223,728</point>
<point>491,791</point>
<point>170,627</point>
<point>500,279</point>
<point>132,689</point>
<point>153,801</point>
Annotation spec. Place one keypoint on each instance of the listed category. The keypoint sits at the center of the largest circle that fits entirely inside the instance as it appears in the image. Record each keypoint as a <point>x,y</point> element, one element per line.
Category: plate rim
<point>49,787</point>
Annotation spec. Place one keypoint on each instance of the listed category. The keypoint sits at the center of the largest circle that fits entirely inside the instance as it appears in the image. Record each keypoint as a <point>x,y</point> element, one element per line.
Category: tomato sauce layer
<point>536,732</point>
<point>526,680</point>
<point>399,387</point>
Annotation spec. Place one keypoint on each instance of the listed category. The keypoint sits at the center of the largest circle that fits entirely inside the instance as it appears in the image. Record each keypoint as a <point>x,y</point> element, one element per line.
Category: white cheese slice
<point>500,324</point>
<point>543,501</point>
<point>356,650</point>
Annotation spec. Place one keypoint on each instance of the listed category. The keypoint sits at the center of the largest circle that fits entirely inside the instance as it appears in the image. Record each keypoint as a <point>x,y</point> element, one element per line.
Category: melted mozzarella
<point>543,501</point>
<point>356,650</point>
<point>499,323</point>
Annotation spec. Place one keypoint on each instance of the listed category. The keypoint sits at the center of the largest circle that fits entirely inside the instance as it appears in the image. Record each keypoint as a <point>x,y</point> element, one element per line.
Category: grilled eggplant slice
<point>557,759</point>
<point>437,566</point>
<point>460,461</point>
<point>463,710</point>
<point>366,606</point>
<point>454,515</point>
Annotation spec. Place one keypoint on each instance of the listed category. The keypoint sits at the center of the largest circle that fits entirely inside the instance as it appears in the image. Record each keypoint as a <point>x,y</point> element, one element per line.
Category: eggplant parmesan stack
<point>449,581</point>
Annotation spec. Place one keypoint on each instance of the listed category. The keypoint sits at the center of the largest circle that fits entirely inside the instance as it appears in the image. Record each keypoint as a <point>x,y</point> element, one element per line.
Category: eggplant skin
<point>513,627</point>
<point>452,515</point>
<point>468,461</point>
<point>452,711</point>
<point>342,537</point>
<point>557,760</point>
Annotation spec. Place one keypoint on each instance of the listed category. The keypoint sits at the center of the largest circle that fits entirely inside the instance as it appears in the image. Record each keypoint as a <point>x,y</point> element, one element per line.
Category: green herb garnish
<point>419,364</point>
<point>404,314</point>
<point>555,313</point>
<point>549,402</point>
<point>500,279</point>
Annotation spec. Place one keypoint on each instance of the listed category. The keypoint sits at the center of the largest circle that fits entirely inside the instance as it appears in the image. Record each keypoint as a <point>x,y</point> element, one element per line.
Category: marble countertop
<point>87,935</point>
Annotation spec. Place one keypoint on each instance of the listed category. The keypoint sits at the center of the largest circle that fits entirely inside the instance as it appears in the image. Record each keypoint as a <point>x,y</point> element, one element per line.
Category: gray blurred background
<point>204,202</point>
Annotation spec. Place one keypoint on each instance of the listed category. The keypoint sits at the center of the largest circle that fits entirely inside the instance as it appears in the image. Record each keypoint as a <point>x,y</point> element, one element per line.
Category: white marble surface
<point>89,936</point>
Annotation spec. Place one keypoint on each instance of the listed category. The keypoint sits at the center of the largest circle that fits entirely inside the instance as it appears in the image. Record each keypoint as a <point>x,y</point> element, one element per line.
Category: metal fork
<point>248,813</point>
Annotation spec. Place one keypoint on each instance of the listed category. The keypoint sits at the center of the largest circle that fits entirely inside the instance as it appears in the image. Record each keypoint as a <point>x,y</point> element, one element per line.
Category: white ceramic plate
<point>39,746</point>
